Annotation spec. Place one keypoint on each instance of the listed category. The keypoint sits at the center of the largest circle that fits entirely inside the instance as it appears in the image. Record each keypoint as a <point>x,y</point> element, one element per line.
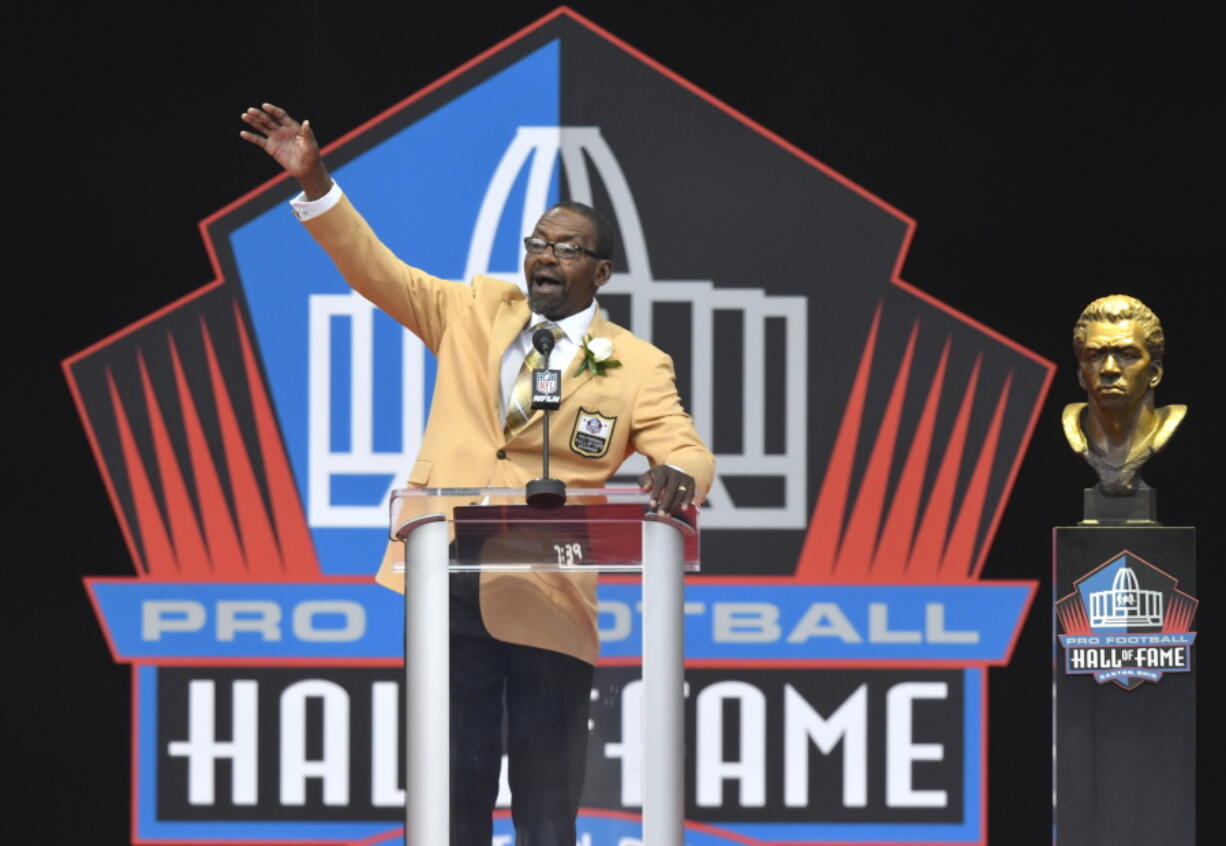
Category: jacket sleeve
<point>420,302</point>
<point>662,430</point>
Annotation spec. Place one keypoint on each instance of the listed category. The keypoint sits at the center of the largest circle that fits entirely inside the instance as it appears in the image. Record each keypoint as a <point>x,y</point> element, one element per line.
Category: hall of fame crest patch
<point>592,433</point>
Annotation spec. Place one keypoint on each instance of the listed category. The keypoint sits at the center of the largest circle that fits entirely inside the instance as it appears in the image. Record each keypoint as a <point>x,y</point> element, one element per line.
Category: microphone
<point>546,395</point>
<point>542,339</point>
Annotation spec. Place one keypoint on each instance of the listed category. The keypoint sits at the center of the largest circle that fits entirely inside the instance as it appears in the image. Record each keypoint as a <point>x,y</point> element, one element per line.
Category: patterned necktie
<point>519,409</point>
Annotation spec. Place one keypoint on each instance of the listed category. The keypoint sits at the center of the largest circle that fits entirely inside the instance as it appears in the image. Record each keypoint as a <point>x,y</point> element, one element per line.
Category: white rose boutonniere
<point>597,356</point>
<point>601,348</point>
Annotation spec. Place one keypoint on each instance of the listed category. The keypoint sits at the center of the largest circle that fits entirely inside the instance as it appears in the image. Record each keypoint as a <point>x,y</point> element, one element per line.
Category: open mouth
<point>545,283</point>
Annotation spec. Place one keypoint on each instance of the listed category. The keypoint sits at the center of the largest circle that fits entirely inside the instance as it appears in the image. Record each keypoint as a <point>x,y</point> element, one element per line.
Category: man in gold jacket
<point>528,638</point>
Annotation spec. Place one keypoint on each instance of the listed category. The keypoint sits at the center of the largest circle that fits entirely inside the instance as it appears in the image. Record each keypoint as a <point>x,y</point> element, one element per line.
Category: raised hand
<point>291,144</point>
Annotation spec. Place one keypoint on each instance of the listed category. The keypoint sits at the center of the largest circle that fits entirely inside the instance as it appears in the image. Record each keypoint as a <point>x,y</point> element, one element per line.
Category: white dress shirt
<point>574,329</point>
<point>305,209</point>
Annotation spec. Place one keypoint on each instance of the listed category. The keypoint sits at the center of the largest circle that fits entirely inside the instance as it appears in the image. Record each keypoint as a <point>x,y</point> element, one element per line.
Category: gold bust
<point>1119,348</point>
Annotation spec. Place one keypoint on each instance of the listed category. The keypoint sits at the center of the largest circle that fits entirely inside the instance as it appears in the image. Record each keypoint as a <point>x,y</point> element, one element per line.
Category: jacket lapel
<point>511,319</point>
<point>600,328</point>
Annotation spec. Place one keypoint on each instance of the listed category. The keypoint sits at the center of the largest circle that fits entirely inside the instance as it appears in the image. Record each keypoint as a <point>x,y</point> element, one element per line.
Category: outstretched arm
<point>410,296</point>
<point>291,144</point>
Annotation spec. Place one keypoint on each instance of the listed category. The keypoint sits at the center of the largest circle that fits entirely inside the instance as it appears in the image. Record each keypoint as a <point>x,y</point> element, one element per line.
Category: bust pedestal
<point>1124,678</point>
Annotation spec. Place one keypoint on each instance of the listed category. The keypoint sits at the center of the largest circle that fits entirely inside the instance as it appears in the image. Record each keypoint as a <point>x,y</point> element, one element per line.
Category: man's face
<point>556,288</point>
<point>1115,367</point>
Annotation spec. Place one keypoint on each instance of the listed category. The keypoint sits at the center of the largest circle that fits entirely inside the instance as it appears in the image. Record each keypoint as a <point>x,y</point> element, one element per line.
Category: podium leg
<point>663,686</point>
<point>427,687</point>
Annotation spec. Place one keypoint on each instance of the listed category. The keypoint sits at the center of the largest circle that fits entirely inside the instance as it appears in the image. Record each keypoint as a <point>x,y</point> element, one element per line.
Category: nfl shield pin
<point>592,433</point>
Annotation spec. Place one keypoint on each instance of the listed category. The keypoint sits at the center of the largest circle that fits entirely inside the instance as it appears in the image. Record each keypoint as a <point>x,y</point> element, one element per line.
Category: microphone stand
<point>546,492</point>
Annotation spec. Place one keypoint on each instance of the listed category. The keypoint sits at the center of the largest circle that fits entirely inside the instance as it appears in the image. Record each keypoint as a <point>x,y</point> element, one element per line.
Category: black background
<point>1050,155</point>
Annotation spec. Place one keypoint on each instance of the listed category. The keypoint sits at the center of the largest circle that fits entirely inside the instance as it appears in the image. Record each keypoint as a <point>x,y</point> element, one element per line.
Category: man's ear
<point>1081,379</point>
<point>1155,373</point>
<point>604,272</point>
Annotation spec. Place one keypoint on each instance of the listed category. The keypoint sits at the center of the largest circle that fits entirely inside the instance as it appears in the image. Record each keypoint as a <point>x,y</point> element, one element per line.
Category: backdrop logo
<point>866,435</point>
<point>1127,622</point>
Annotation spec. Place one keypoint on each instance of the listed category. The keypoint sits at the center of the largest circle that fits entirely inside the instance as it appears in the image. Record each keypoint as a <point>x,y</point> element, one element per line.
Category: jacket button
<point>502,453</point>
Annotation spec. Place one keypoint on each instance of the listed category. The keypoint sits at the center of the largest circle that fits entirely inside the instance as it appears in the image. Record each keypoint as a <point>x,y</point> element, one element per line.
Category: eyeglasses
<point>563,250</point>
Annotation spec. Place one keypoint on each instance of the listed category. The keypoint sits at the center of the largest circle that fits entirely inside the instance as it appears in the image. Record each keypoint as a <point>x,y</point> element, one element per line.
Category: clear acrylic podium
<point>449,530</point>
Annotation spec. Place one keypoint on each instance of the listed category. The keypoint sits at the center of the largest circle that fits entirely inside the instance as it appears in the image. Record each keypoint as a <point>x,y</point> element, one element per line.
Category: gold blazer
<point>468,328</point>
